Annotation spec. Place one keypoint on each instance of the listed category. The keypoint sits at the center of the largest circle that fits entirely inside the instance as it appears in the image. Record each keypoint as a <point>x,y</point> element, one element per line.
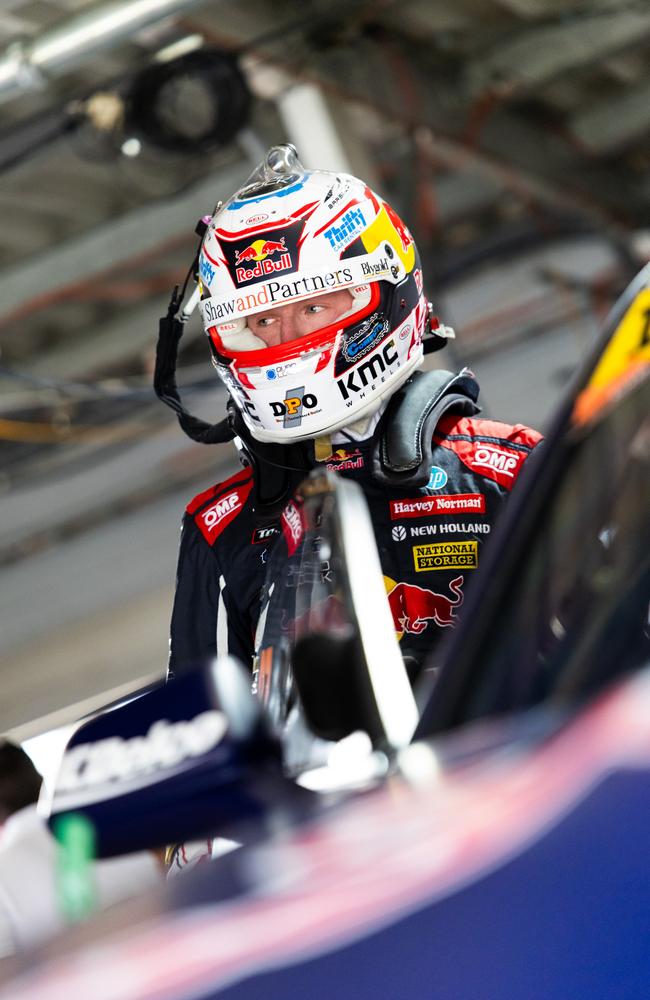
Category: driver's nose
<point>289,328</point>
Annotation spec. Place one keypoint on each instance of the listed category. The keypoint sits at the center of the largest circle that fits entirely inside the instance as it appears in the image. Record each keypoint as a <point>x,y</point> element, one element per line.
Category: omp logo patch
<point>292,527</point>
<point>214,515</point>
<point>221,512</point>
<point>452,503</point>
<point>445,555</point>
<point>505,462</point>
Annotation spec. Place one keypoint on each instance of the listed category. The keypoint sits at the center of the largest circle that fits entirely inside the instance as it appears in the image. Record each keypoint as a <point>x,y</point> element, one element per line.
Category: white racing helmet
<point>290,234</point>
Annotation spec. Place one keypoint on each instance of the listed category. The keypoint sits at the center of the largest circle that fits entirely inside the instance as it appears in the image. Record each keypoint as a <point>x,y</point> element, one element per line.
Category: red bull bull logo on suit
<point>413,607</point>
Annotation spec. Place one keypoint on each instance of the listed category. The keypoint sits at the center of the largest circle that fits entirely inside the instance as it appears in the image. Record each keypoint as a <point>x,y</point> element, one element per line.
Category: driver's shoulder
<point>452,426</point>
<point>216,508</point>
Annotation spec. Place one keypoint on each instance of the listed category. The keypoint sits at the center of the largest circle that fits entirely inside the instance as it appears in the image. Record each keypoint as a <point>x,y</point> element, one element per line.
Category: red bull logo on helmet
<point>413,607</point>
<point>252,257</point>
<point>252,261</point>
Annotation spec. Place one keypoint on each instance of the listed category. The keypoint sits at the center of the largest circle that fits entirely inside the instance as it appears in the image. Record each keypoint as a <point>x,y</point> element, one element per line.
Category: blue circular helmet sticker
<point>437,479</point>
<point>270,374</point>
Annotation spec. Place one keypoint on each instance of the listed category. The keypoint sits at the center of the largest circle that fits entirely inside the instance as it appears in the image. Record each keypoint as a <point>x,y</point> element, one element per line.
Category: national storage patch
<point>445,555</point>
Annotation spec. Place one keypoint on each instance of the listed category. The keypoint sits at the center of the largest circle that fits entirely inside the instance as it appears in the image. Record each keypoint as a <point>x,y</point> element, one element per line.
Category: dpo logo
<point>501,461</point>
<point>291,409</point>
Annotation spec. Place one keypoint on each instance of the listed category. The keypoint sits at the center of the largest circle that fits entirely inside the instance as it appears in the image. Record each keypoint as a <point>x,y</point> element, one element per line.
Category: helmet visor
<point>301,324</point>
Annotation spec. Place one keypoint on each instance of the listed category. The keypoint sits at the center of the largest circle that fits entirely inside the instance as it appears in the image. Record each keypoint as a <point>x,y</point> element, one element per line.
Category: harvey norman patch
<point>452,503</point>
<point>445,555</point>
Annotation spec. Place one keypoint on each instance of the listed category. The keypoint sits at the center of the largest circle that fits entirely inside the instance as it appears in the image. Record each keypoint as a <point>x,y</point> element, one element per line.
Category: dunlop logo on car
<point>445,555</point>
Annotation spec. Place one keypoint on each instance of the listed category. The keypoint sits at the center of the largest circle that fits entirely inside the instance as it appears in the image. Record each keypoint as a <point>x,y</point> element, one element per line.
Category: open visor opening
<point>236,339</point>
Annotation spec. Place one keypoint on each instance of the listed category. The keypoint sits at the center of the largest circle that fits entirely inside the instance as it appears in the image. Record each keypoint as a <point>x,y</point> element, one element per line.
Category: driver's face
<point>297,319</point>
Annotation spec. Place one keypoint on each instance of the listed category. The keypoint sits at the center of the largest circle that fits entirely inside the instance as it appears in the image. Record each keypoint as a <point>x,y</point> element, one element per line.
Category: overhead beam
<point>539,54</point>
<point>609,125</point>
<point>26,66</point>
<point>418,92</point>
<point>136,233</point>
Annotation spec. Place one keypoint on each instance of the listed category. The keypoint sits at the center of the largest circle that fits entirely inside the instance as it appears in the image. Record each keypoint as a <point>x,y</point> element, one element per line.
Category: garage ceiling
<point>546,104</point>
<point>490,124</point>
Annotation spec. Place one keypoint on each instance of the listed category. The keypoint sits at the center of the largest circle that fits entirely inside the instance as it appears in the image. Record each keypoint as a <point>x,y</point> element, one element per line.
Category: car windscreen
<point>574,613</point>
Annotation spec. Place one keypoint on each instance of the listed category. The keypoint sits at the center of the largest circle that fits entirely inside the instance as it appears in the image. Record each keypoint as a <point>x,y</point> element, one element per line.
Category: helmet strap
<point>170,331</point>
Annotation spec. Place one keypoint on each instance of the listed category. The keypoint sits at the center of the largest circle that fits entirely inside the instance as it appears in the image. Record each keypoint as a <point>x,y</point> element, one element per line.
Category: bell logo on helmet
<point>369,370</point>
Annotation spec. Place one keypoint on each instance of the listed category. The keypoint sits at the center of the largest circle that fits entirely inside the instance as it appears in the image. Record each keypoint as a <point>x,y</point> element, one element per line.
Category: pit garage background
<point>512,135</point>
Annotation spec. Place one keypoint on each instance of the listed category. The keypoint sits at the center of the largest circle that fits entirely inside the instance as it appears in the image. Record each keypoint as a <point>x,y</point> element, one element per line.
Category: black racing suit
<point>429,541</point>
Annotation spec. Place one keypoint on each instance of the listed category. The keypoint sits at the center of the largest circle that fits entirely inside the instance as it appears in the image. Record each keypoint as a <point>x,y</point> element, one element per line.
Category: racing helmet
<point>296,236</point>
